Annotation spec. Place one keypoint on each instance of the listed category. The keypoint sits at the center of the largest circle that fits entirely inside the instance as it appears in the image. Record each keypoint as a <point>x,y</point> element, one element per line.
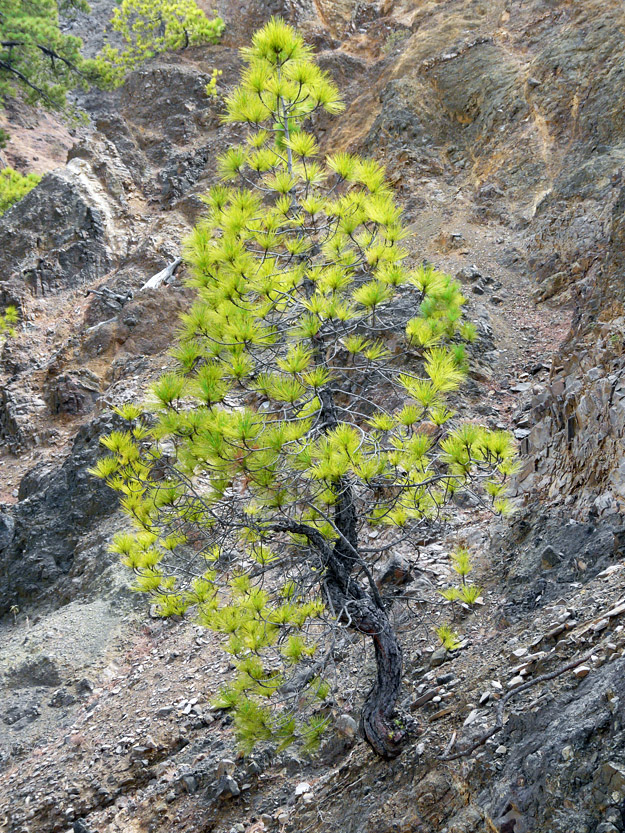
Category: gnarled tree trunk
<point>362,613</point>
<point>362,610</point>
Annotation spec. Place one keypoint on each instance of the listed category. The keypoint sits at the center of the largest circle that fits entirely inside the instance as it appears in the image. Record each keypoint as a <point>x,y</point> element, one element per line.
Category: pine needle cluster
<point>293,424</point>
<point>464,592</point>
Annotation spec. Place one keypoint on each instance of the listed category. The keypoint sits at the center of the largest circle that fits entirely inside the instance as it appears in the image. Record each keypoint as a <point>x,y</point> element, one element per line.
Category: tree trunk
<point>364,612</point>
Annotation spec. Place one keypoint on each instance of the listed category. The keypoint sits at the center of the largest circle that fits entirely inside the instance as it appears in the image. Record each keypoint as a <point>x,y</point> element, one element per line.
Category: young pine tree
<point>310,405</point>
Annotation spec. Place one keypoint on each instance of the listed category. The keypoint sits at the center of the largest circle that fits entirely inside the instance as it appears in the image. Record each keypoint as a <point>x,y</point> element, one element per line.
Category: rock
<point>346,725</point>
<point>62,698</point>
<point>165,711</point>
<point>190,784</point>
<point>302,788</point>
<point>72,393</point>
<point>227,787</point>
<point>7,527</point>
<point>469,274</point>
<point>501,750</point>
<point>581,671</point>
<point>612,776</point>
<point>515,681</point>
<point>424,698</point>
<point>518,654</point>
<point>226,767</point>
<point>471,717</point>
<point>40,671</point>
<point>396,571</point>
<point>21,415</point>
<point>439,656</point>
<point>70,223</point>
<point>444,679</point>
<point>22,714</point>
<point>549,558</point>
<point>567,753</point>
<point>84,687</point>
<point>57,507</point>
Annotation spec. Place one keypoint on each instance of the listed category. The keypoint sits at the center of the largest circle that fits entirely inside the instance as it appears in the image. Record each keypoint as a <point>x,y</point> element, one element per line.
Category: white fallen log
<point>163,276</point>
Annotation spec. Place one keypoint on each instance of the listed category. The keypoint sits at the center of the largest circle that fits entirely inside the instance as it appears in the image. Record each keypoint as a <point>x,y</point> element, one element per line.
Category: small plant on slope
<point>8,319</point>
<point>294,424</point>
<point>14,186</point>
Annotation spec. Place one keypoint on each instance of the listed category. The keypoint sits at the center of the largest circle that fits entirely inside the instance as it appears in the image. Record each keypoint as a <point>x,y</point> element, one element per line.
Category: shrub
<point>8,319</point>
<point>14,186</point>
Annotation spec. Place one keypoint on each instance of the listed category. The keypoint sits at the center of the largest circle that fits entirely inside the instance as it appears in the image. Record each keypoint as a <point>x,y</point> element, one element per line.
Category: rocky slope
<point>501,125</point>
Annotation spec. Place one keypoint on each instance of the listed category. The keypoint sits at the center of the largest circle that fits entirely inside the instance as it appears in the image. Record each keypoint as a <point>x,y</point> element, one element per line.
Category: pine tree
<point>311,405</point>
<point>148,27</point>
<point>41,63</point>
<point>36,58</point>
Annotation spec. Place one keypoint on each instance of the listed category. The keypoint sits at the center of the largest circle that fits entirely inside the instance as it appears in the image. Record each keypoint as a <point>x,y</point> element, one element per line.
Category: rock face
<point>66,234</point>
<point>575,448</point>
<point>54,520</point>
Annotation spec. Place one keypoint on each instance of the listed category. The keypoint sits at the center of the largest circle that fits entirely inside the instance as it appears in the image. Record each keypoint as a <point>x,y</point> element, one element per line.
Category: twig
<point>450,745</point>
<point>498,725</point>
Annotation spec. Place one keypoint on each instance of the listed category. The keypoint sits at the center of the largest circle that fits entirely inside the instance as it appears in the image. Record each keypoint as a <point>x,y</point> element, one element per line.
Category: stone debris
<point>346,725</point>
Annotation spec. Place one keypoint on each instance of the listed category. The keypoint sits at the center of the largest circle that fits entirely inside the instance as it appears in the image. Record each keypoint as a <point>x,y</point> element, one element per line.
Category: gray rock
<point>72,393</point>
<point>226,767</point>
<point>7,527</point>
<point>227,787</point>
<point>549,558</point>
<point>21,714</point>
<point>62,698</point>
<point>439,656</point>
<point>84,687</point>
<point>57,507</point>
<point>62,233</point>
<point>41,671</point>
<point>346,725</point>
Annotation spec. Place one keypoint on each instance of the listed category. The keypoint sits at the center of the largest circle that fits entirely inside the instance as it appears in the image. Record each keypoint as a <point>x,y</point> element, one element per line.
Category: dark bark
<point>364,612</point>
<point>358,610</point>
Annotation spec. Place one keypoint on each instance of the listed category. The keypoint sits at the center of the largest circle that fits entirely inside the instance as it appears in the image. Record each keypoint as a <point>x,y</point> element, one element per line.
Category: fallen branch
<point>498,725</point>
<point>163,276</point>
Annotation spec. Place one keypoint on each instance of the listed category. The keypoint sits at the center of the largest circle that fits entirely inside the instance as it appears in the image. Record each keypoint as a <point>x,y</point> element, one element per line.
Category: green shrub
<point>14,186</point>
<point>8,319</point>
